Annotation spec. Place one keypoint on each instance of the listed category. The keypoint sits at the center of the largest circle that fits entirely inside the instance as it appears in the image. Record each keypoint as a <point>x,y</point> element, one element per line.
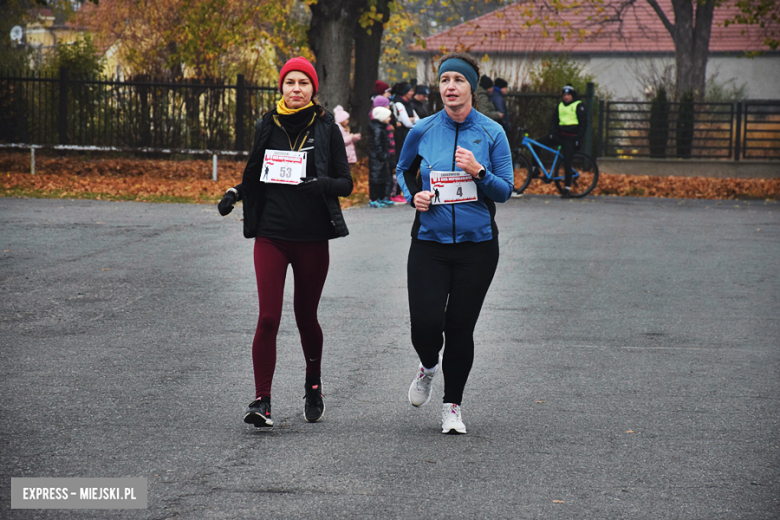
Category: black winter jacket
<point>252,191</point>
<point>378,154</point>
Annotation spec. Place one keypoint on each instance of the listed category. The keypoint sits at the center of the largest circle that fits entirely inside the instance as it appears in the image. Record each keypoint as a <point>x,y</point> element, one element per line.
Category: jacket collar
<point>470,120</point>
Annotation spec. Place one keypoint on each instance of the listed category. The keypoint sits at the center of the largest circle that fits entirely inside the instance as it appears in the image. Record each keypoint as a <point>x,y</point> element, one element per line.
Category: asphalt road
<point>627,366</point>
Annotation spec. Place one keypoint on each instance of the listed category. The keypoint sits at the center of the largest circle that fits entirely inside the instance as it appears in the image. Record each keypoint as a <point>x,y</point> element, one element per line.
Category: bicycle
<point>584,179</point>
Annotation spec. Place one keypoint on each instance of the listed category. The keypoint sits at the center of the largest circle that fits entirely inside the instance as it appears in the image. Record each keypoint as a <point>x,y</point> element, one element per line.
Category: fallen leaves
<point>674,187</point>
<point>166,180</point>
<point>137,179</point>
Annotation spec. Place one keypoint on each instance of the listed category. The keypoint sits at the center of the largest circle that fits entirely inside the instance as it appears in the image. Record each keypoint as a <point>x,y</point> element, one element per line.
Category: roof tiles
<point>637,30</point>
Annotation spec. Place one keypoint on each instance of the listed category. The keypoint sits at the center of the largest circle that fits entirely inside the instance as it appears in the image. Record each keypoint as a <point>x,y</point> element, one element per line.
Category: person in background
<point>420,101</point>
<point>342,119</point>
<point>485,102</point>
<point>454,251</point>
<point>404,117</point>
<point>291,224</point>
<point>404,113</point>
<point>567,130</point>
<point>389,200</point>
<point>381,89</point>
<point>498,96</point>
<point>378,157</point>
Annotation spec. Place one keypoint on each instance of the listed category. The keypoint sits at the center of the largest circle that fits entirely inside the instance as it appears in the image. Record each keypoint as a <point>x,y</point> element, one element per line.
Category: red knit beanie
<point>380,87</point>
<point>300,64</point>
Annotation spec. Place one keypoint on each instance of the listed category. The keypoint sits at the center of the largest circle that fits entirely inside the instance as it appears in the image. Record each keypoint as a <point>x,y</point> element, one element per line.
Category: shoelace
<point>422,378</point>
<point>314,394</point>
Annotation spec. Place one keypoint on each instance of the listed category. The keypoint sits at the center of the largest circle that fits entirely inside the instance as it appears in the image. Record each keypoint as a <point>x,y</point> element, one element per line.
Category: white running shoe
<point>420,391</point>
<point>450,419</point>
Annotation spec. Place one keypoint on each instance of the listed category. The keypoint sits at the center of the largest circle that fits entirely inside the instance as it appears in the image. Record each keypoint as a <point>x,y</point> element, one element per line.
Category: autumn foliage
<point>156,180</point>
<point>203,39</point>
<point>164,180</point>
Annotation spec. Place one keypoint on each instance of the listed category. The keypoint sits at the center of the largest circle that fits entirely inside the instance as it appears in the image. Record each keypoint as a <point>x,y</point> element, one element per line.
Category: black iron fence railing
<point>742,130</point>
<point>60,110</point>
<point>133,115</point>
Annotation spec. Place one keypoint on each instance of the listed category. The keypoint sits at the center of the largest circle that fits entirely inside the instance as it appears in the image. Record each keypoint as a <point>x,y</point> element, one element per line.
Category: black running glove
<point>314,185</point>
<point>225,206</point>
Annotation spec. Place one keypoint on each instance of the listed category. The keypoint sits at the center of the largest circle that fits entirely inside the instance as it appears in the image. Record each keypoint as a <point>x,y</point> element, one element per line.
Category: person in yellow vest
<point>567,130</point>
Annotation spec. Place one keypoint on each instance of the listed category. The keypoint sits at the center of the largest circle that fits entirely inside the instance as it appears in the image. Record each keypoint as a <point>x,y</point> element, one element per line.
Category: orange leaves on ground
<point>127,178</point>
<point>144,179</point>
<point>687,187</point>
<point>673,187</point>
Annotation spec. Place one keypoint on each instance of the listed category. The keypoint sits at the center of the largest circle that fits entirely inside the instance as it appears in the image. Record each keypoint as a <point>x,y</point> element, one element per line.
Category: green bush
<point>551,75</point>
<point>80,58</point>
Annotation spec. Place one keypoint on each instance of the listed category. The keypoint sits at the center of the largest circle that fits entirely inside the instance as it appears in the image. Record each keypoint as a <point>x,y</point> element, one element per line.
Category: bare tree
<point>691,34</point>
<point>368,47</point>
<point>331,33</point>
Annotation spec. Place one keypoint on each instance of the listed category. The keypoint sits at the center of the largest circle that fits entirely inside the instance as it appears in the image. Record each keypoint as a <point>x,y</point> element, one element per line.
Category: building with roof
<point>621,52</point>
<point>44,31</point>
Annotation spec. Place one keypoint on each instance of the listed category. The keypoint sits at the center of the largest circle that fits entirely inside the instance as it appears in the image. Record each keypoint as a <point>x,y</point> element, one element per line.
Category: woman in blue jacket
<point>465,167</point>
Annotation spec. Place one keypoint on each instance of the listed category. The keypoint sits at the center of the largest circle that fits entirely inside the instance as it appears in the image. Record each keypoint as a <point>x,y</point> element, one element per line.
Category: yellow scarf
<point>281,108</point>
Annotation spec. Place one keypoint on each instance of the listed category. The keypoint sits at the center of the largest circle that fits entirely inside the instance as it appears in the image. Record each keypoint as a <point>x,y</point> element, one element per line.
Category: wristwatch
<point>481,174</point>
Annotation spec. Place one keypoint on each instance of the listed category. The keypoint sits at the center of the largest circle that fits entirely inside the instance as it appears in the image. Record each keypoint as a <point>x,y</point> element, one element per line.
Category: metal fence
<point>147,116</point>
<point>742,130</point>
<point>42,110</point>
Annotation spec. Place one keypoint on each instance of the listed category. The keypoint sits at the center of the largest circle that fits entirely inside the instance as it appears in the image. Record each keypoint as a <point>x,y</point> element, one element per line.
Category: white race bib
<point>452,187</point>
<point>281,167</point>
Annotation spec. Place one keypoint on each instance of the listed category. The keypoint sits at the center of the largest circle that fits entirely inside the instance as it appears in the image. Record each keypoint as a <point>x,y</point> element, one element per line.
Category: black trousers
<point>447,284</point>
<point>568,147</point>
<point>377,190</point>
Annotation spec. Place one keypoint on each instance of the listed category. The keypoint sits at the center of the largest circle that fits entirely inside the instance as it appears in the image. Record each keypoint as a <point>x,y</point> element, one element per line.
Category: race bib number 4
<point>280,167</point>
<point>452,187</point>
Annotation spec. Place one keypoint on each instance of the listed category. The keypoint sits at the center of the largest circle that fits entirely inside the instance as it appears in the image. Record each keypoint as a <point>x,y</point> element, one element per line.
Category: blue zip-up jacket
<point>431,145</point>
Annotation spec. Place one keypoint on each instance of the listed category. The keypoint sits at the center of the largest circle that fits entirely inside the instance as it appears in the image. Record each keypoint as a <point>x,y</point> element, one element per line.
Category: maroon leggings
<point>309,261</point>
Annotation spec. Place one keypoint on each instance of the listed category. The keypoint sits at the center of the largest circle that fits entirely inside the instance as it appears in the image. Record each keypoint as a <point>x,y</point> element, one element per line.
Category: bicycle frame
<point>530,143</point>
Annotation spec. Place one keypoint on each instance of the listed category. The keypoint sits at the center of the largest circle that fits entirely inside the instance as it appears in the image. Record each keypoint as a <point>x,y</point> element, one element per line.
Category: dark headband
<point>458,65</point>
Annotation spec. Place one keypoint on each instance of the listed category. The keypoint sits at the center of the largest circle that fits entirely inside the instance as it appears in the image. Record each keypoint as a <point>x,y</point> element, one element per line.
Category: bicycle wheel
<point>522,174</point>
<point>586,175</point>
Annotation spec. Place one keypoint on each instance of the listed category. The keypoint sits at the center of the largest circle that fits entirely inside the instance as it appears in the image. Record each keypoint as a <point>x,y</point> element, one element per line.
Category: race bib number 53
<point>452,187</point>
<point>281,167</point>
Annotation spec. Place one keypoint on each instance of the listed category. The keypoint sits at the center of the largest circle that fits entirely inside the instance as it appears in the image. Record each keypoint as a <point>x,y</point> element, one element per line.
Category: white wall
<point>620,76</point>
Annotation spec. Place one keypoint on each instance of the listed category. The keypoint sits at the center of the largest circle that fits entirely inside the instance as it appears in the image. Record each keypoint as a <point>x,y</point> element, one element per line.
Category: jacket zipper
<point>452,206</point>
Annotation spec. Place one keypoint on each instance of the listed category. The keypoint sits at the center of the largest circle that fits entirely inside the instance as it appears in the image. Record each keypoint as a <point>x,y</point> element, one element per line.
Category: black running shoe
<point>259,413</point>
<point>567,194</point>
<point>313,407</point>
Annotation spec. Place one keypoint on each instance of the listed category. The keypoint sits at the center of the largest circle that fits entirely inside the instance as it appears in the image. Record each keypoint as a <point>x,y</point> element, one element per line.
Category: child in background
<point>342,119</point>
<point>392,186</point>
<point>378,157</point>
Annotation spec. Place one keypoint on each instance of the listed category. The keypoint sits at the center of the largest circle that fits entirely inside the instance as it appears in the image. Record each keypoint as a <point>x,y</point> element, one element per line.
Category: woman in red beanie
<point>297,170</point>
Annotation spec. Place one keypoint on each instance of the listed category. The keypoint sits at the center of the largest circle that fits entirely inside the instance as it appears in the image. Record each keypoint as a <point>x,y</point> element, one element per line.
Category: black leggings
<point>447,284</point>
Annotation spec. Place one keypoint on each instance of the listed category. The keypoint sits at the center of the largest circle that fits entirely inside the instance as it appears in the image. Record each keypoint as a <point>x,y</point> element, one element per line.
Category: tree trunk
<point>368,47</point>
<point>691,34</point>
<point>331,32</point>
